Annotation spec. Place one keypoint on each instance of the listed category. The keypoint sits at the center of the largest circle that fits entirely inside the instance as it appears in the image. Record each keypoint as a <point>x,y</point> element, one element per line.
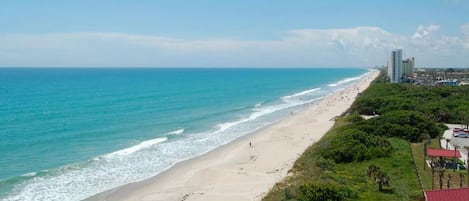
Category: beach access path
<point>246,169</point>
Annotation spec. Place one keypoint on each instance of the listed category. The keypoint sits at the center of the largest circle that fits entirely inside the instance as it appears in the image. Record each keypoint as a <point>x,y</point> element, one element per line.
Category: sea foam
<point>176,132</point>
<point>138,147</point>
<point>301,93</point>
<point>348,80</point>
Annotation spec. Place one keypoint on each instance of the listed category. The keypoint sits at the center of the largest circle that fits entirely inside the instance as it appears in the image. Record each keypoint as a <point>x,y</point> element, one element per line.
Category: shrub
<point>325,164</point>
<point>354,118</point>
<point>355,145</point>
<point>326,192</point>
<point>404,124</point>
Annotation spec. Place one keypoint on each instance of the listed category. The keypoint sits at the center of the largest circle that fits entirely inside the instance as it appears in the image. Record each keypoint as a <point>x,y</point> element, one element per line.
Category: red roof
<point>460,194</point>
<point>444,153</point>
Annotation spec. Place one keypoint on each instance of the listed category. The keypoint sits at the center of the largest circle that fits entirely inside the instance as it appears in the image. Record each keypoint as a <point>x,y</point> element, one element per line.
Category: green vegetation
<point>350,180</point>
<point>409,125</point>
<point>438,103</point>
<point>358,158</point>
<point>321,191</point>
<point>354,145</point>
<point>378,176</point>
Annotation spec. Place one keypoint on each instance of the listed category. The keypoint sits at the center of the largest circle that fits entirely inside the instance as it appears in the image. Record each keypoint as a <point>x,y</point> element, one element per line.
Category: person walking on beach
<point>250,144</point>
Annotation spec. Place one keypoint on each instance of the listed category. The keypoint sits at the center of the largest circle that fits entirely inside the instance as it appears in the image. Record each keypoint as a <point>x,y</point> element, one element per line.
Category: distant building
<point>448,82</point>
<point>395,66</point>
<point>408,67</point>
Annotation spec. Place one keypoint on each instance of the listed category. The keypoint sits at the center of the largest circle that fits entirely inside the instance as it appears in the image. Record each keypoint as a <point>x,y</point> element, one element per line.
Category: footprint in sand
<point>253,158</point>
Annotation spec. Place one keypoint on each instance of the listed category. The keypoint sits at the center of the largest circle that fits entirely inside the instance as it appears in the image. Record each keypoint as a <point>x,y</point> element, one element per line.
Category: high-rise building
<point>395,66</point>
<point>408,67</point>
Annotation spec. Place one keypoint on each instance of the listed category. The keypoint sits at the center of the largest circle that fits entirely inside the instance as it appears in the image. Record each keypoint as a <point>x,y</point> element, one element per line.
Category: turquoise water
<point>67,134</point>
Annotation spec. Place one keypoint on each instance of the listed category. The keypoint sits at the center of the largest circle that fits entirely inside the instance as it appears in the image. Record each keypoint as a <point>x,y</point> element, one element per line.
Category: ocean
<point>70,133</point>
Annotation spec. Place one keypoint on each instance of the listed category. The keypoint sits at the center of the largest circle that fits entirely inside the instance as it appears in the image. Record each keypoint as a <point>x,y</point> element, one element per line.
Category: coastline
<point>236,171</point>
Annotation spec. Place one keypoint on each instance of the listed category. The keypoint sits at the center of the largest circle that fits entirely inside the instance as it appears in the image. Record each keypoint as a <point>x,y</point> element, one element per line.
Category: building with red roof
<point>459,194</point>
<point>443,153</point>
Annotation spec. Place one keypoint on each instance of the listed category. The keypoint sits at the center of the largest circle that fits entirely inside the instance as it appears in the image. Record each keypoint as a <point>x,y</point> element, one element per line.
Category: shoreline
<point>236,171</point>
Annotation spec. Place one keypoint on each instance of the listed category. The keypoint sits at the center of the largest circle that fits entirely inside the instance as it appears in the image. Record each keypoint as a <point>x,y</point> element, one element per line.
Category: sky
<point>232,33</point>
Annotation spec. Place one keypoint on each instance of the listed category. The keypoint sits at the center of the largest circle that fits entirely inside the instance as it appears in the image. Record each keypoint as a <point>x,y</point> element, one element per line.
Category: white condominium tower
<point>395,66</point>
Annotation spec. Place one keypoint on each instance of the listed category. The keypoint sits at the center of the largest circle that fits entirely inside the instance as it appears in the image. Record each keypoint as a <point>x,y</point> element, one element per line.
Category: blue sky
<point>296,33</point>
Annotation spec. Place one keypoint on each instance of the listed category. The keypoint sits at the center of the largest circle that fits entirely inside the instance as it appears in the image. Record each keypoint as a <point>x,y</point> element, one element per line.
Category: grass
<point>399,166</point>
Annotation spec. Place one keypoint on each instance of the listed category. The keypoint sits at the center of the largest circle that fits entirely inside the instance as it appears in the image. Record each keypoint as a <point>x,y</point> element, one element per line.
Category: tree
<point>463,114</point>
<point>448,182</point>
<point>382,179</point>
<point>432,165</point>
<point>461,177</point>
<point>467,163</point>
<point>426,141</point>
<point>378,176</point>
<point>454,159</point>
<point>372,170</point>
<point>441,174</point>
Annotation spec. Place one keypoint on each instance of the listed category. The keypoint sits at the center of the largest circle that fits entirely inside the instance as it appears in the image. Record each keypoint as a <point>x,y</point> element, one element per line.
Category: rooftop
<point>461,194</point>
<point>443,153</point>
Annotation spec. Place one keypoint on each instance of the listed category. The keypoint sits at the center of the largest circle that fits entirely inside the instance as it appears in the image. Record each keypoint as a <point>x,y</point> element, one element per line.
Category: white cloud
<point>359,46</point>
<point>465,29</point>
<point>463,3</point>
<point>425,31</point>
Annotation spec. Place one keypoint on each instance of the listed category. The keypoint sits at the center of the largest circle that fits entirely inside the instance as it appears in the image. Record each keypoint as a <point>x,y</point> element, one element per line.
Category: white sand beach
<point>238,171</point>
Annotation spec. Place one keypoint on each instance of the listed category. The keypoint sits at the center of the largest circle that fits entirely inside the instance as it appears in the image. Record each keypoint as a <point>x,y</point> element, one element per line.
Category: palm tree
<point>432,165</point>
<point>441,174</point>
<point>454,159</point>
<point>467,163</point>
<point>442,115</point>
<point>382,179</point>
<point>372,170</point>
<point>378,176</point>
<point>426,140</point>
<point>461,177</point>
<point>450,176</point>
<point>464,116</point>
